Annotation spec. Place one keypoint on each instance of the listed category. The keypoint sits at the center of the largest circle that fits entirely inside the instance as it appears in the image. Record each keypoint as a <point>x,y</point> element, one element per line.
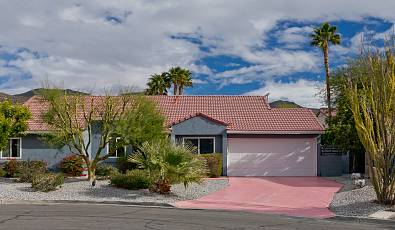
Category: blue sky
<point>247,47</point>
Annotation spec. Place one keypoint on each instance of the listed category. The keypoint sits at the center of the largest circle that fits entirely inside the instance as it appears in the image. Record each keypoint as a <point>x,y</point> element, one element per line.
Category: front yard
<point>358,202</point>
<point>81,190</point>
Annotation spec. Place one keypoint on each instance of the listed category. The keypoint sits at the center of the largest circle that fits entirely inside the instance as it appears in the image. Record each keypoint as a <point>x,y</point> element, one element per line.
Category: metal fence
<point>332,161</point>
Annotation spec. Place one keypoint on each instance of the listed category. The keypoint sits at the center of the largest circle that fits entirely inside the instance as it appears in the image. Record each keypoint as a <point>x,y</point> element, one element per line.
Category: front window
<point>13,150</point>
<point>202,144</point>
<point>116,148</point>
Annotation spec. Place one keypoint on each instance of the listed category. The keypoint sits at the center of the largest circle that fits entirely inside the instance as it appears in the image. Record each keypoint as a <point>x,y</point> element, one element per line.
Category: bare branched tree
<point>371,92</point>
<point>73,120</point>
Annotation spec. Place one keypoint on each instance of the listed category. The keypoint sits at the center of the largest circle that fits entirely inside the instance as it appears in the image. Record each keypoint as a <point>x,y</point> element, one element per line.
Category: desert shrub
<point>169,164</point>
<point>124,165</point>
<point>3,173</point>
<point>72,165</point>
<point>46,182</point>
<point>213,163</point>
<point>105,170</point>
<point>133,180</point>
<point>26,170</point>
<point>12,168</point>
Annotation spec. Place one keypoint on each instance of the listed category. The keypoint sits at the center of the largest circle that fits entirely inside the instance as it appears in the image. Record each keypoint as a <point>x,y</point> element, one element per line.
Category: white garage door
<point>272,157</point>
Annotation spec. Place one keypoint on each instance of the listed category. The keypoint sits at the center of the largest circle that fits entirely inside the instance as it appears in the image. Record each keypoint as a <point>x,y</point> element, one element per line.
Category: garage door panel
<point>271,157</point>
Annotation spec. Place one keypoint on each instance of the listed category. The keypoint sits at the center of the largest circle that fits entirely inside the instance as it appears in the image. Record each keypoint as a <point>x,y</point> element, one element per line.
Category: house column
<point>224,152</point>
<point>173,137</point>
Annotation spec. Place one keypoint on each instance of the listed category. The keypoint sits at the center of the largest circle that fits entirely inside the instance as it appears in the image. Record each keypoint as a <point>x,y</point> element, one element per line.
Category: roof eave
<point>297,132</point>
<point>37,132</point>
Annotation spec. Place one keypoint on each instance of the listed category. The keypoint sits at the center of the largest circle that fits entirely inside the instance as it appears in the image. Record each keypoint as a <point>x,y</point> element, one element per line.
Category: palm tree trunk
<point>175,89</point>
<point>328,85</point>
<point>180,90</point>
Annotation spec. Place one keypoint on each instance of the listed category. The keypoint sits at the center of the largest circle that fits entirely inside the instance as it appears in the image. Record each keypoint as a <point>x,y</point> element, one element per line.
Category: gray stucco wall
<point>33,148</point>
<point>96,142</point>
<point>203,127</point>
<point>198,126</point>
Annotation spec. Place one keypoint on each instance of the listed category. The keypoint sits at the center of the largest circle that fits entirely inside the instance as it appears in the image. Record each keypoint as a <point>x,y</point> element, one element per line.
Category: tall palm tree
<point>185,81</point>
<point>180,79</point>
<point>322,37</point>
<point>158,84</point>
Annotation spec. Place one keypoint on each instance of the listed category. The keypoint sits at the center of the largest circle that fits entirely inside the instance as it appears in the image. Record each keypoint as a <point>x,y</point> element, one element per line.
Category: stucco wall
<point>96,142</point>
<point>200,126</point>
<point>33,148</point>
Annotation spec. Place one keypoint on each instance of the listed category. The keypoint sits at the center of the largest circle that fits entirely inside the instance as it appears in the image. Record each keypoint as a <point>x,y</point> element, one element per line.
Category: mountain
<point>290,104</point>
<point>22,97</point>
<point>284,104</point>
<point>34,92</point>
<point>18,99</point>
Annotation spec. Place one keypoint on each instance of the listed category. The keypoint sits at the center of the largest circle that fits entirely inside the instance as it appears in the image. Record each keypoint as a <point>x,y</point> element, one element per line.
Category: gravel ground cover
<point>81,190</point>
<point>351,201</point>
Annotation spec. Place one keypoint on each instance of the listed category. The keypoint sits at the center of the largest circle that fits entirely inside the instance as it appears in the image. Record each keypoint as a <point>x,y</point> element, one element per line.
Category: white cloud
<point>122,42</point>
<point>303,92</point>
<point>294,37</point>
<point>272,64</point>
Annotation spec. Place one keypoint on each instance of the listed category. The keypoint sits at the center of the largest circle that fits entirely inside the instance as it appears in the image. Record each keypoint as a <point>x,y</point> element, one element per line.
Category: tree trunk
<point>87,165</point>
<point>175,89</point>
<point>92,174</point>
<point>91,165</point>
<point>328,85</point>
<point>180,90</point>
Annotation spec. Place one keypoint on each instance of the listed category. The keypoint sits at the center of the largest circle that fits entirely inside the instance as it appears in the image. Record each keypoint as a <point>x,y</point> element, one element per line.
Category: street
<point>91,216</point>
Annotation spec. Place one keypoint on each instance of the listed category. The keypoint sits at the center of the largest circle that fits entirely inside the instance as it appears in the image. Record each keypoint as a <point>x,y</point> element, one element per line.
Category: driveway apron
<point>293,196</point>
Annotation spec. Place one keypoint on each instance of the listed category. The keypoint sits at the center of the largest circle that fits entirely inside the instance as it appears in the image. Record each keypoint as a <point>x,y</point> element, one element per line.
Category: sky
<point>232,47</point>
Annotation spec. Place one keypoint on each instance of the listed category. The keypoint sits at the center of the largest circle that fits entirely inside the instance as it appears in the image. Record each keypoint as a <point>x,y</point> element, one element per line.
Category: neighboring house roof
<point>37,107</point>
<point>241,114</point>
<point>322,116</point>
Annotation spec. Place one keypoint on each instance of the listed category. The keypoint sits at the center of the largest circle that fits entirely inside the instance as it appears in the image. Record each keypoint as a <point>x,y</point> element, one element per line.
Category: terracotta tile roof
<point>36,106</point>
<point>248,114</point>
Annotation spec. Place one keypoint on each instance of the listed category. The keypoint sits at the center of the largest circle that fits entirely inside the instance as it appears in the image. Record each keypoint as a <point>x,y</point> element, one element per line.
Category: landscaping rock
<point>351,201</point>
<point>81,190</point>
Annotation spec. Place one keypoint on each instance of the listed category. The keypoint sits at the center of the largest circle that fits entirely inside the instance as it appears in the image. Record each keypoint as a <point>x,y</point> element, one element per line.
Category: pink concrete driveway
<point>294,196</point>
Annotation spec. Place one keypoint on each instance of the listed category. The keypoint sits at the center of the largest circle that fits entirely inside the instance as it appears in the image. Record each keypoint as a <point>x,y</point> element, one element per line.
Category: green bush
<point>46,182</point>
<point>213,164</point>
<point>26,170</point>
<point>124,165</point>
<point>105,170</point>
<point>133,180</point>
<point>3,173</point>
<point>72,165</point>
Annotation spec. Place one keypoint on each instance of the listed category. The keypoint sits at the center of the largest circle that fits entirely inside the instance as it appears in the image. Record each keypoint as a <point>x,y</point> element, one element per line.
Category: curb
<point>126,203</point>
<point>363,220</point>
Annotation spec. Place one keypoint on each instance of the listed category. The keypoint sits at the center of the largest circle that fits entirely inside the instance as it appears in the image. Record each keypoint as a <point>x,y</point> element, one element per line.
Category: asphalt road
<point>90,216</point>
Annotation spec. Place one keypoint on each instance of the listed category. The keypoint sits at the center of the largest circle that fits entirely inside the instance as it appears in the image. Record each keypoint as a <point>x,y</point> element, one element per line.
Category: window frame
<point>199,138</point>
<point>116,151</point>
<point>9,148</point>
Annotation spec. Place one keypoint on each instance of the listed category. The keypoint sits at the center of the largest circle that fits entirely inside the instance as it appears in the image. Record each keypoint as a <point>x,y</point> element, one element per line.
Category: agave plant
<point>169,164</point>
